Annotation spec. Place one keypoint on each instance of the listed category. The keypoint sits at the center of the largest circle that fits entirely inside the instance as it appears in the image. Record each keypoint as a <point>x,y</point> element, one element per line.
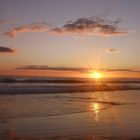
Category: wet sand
<point>91,116</point>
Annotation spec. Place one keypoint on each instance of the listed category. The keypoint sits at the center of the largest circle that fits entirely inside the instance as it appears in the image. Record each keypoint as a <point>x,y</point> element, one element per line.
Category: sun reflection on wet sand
<point>96,108</point>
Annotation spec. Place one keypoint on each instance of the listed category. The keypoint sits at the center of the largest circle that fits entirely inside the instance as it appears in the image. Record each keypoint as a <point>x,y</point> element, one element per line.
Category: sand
<point>69,116</point>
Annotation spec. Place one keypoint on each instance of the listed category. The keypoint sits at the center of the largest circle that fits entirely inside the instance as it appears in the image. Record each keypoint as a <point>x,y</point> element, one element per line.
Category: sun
<point>96,75</point>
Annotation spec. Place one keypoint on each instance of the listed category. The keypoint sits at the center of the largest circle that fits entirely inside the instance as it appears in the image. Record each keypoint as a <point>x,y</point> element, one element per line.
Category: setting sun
<point>95,75</point>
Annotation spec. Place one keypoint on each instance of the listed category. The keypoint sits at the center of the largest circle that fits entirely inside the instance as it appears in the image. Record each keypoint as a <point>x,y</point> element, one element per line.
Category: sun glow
<point>96,75</point>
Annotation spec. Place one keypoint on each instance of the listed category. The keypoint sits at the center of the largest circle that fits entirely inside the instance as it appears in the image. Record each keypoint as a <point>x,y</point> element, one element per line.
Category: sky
<point>70,37</point>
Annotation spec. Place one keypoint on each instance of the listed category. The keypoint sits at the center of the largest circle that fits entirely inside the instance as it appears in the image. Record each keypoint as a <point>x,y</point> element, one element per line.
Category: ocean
<point>26,85</point>
<point>36,108</point>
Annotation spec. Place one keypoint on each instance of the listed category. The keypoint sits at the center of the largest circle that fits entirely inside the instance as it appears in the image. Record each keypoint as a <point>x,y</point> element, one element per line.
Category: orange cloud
<point>34,27</point>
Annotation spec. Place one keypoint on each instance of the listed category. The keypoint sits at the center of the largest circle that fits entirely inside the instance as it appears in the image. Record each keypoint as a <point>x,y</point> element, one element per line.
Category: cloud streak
<point>122,70</point>
<point>6,50</point>
<point>38,67</point>
<point>34,27</point>
<point>94,26</point>
<point>41,67</point>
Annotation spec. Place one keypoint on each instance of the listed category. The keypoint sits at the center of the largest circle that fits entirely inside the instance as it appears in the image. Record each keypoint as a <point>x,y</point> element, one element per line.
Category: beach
<point>69,70</point>
<point>97,115</point>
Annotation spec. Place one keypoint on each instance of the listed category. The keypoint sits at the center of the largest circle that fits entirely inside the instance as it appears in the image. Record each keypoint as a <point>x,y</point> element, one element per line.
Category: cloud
<point>6,50</point>
<point>112,50</point>
<point>34,27</point>
<point>95,26</point>
<point>38,67</point>
<point>34,67</point>
<point>2,21</point>
<point>123,70</point>
<point>41,67</point>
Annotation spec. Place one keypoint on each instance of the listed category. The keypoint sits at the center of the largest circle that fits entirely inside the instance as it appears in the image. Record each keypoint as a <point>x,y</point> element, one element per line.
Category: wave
<point>26,85</point>
<point>16,89</point>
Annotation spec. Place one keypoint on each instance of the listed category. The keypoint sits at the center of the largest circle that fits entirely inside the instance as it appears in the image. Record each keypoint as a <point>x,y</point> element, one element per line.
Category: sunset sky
<point>70,37</point>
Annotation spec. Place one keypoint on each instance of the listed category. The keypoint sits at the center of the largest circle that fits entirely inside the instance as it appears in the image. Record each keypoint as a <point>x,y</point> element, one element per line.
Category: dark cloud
<point>40,67</point>
<point>6,50</point>
<point>34,27</point>
<point>91,26</point>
